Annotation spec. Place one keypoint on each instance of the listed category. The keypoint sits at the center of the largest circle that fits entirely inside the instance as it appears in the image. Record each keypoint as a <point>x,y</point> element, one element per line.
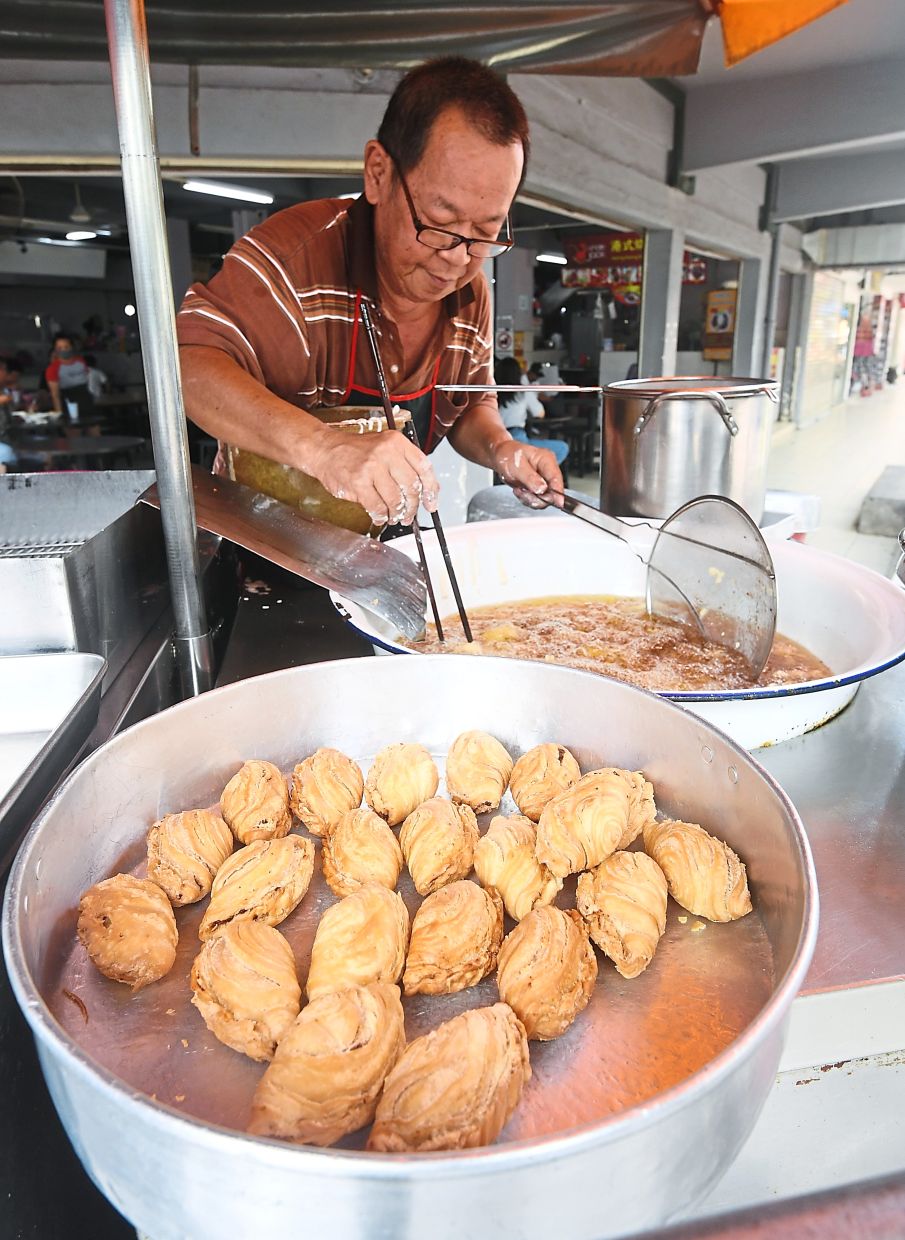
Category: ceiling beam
<point>830,186</point>
<point>764,120</point>
<point>880,245</point>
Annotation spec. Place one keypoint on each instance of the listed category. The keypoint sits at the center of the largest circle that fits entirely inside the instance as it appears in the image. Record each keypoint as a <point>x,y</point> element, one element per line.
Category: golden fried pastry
<point>505,632</point>
<point>185,851</point>
<point>127,927</point>
<point>245,986</point>
<point>438,841</point>
<point>456,937</point>
<point>477,771</point>
<point>623,900</point>
<point>454,1088</point>
<point>330,1066</point>
<point>324,787</point>
<point>546,971</point>
<point>540,775</point>
<point>641,807</point>
<point>400,778</point>
<point>590,820</point>
<point>263,881</point>
<point>255,803</point>
<point>361,849</point>
<point>703,874</point>
<point>360,940</point>
<point>504,858</point>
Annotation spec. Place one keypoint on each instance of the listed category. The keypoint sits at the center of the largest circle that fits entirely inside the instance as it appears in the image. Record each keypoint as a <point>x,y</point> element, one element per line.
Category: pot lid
<point>728,386</point>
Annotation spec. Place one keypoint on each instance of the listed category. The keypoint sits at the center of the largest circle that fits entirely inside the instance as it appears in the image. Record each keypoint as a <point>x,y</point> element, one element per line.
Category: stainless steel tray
<point>627,1118</point>
<point>48,706</point>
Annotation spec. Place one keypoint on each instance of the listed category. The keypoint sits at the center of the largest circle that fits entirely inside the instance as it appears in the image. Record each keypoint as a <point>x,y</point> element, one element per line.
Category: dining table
<point>77,451</point>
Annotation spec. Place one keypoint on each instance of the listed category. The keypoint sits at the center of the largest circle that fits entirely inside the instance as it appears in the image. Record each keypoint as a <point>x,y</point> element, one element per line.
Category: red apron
<point>422,405</point>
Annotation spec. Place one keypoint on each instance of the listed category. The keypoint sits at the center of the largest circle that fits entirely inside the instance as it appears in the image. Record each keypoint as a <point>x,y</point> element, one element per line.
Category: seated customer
<point>516,406</point>
<point>8,403</point>
<point>67,377</point>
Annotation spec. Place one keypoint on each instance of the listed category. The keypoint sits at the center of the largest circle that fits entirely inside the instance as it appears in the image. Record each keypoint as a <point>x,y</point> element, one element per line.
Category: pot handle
<point>713,397</point>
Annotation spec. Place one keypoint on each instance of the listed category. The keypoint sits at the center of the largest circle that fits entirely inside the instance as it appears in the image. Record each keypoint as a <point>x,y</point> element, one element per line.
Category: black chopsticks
<point>412,434</point>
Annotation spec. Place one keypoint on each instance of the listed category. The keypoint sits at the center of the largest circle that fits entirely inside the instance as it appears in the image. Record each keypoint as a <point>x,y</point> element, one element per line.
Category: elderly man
<point>275,338</point>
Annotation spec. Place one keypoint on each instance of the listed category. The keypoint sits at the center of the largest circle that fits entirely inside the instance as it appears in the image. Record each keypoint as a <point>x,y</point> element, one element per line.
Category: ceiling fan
<point>90,221</point>
<point>79,213</point>
<point>48,219</point>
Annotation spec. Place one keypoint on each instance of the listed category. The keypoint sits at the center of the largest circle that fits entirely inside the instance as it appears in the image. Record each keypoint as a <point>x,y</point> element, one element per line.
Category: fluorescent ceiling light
<point>79,234</point>
<point>227,191</point>
<point>552,258</point>
<point>47,241</point>
<point>357,194</point>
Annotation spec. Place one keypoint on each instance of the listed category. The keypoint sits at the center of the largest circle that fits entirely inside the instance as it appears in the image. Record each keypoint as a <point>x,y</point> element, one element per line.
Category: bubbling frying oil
<point>616,637</point>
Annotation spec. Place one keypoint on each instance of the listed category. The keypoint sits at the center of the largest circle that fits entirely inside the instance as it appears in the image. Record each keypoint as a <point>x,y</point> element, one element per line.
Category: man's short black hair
<point>483,95</point>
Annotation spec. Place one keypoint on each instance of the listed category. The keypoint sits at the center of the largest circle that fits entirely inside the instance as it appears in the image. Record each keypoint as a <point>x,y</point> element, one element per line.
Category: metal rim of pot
<point>728,387</point>
<point>534,1150</point>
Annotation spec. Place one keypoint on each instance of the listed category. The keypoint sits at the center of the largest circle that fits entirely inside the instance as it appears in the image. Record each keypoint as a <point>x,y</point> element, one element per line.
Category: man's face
<point>63,347</point>
<point>463,183</point>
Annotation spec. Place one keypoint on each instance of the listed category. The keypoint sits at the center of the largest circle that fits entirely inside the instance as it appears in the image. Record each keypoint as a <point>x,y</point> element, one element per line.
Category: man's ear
<point>378,172</point>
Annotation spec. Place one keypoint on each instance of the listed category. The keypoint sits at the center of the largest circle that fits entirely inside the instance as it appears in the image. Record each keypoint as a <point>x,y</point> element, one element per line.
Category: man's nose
<point>457,258</point>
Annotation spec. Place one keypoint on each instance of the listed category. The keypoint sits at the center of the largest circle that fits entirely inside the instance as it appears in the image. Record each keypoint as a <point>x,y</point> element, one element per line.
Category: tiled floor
<point>837,459</point>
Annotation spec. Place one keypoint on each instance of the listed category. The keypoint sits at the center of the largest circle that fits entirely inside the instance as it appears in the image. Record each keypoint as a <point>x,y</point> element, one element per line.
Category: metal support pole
<point>127,37</point>
<point>772,298</point>
<point>661,293</point>
<point>769,224</point>
<point>746,347</point>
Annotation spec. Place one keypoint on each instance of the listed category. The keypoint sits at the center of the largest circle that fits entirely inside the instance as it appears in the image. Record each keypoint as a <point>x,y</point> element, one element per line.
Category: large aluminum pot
<point>668,440</point>
<point>174,1176</point>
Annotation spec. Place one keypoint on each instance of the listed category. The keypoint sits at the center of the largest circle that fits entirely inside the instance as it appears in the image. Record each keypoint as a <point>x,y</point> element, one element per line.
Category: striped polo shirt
<point>284,307</point>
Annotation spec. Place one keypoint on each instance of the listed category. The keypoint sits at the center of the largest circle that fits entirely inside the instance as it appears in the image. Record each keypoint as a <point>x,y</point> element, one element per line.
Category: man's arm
<point>54,389</point>
<point>480,436</point>
<point>385,473</point>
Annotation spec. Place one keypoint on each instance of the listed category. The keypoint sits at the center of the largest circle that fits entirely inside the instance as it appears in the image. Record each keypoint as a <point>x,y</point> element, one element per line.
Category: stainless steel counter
<point>836,1116</point>
<point>847,780</point>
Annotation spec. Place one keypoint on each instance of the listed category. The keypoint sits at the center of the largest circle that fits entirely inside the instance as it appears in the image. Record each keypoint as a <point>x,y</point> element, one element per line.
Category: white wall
<point>600,145</point>
<point>513,291</point>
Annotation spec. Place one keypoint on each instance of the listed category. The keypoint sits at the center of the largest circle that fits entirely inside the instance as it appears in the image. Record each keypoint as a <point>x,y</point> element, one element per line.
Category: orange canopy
<point>751,25</point>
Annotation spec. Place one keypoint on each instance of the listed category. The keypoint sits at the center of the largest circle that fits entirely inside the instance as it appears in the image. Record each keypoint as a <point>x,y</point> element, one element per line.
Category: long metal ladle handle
<point>435,516</point>
<point>391,423</point>
<point>708,394</point>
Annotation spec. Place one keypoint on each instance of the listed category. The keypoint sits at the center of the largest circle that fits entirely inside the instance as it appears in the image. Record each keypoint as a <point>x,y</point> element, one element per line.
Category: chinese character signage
<point>601,249</point>
<point>615,261</point>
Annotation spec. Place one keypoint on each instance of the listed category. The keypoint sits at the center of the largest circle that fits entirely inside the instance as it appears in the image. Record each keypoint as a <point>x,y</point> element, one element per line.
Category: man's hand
<point>384,472</point>
<point>530,471</point>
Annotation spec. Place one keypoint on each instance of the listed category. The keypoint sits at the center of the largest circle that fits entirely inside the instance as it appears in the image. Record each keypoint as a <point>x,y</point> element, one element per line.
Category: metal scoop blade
<point>380,579</point>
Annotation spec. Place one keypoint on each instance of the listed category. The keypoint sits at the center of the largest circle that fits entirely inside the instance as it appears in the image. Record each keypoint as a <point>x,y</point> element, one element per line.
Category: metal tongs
<point>412,434</point>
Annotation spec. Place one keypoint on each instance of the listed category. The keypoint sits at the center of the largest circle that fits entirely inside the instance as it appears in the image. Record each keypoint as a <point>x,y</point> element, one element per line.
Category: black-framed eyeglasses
<point>442,239</point>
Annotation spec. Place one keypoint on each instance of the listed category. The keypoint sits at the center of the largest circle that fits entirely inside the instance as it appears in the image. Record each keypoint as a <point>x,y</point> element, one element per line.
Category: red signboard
<point>615,261</point>
<point>601,249</point>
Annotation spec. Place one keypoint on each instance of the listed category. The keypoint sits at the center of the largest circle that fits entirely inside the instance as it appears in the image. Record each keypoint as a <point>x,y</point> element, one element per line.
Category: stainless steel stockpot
<point>174,1176</point>
<point>668,440</point>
